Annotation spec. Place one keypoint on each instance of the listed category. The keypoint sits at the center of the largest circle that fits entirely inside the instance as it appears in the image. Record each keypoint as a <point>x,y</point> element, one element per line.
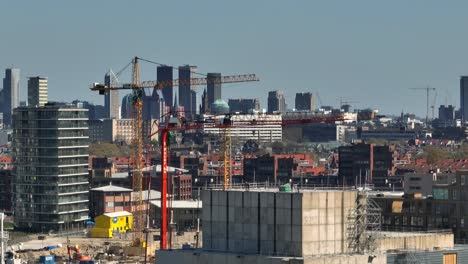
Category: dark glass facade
<point>50,177</point>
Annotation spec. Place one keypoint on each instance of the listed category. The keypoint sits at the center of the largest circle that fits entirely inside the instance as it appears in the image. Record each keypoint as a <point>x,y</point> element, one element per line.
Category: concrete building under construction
<point>305,226</point>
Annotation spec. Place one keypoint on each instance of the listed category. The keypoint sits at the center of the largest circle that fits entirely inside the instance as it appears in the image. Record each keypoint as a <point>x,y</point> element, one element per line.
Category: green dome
<point>219,107</point>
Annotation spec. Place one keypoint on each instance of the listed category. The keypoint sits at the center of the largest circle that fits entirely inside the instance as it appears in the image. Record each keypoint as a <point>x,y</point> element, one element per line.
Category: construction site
<point>240,223</point>
<point>260,224</point>
<point>126,235</point>
<point>283,225</point>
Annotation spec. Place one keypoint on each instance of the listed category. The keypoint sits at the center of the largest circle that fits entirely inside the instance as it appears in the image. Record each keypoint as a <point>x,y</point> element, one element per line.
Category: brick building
<point>109,199</point>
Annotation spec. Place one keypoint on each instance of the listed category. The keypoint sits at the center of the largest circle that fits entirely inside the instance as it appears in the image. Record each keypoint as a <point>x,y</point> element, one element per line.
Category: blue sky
<point>367,51</point>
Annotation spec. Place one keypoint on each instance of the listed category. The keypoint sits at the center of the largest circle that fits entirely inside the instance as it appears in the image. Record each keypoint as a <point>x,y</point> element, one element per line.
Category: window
<point>440,194</point>
<point>110,204</point>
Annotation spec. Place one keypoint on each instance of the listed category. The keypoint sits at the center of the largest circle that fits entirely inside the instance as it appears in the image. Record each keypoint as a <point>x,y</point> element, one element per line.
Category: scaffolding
<point>363,223</point>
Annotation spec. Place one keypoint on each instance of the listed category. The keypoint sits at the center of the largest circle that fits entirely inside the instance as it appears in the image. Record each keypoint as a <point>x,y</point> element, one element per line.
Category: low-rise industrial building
<point>278,226</point>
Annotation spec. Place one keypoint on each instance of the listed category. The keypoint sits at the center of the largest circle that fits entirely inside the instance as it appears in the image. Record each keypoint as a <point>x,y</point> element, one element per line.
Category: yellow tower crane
<point>137,89</point>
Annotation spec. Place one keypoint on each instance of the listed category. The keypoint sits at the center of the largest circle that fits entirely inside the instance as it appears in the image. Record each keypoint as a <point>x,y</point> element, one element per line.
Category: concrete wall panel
<point>322,200</point>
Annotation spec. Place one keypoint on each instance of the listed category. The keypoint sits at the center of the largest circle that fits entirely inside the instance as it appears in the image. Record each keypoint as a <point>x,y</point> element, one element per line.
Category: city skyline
<point>368,52</point>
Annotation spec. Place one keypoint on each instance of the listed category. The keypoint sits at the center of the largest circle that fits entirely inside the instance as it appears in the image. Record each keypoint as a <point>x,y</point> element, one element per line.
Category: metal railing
<point>420,230</point>
<point>272,187</point>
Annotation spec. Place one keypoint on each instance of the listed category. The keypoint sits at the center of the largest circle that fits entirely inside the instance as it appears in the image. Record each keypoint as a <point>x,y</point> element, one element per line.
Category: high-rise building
<point>204,107</point>
<point>193,103</point>
<point>50,175</point>
<point>187,97</point>
<point>276,102</point>
<point>446,113</point>
<point>151,107</point>
<point>244,106</point>
<point>126,108</point>
<point>11,84</point>
<point>305,102</point>
<point>147,103</point>
<point>164,109</point>
<point>165,74</point>
<point>2,99</point>
<point>37,91</point>
<point>464,98</point>
<point>111,98</point>
<point>213,87</point>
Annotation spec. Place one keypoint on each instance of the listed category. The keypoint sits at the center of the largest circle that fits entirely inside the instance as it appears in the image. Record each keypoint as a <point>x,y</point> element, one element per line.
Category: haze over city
<point>365,51</point>
<point>207,132</point>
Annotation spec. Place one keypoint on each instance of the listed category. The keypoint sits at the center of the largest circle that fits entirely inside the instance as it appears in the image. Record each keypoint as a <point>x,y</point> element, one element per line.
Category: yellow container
<point>111,223</point>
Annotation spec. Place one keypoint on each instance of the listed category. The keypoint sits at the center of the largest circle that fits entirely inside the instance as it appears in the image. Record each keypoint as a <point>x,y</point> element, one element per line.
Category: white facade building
<point>117,130</point>
<point>244,129</point>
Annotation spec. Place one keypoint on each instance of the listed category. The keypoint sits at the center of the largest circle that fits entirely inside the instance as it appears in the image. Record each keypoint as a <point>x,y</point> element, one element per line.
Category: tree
<point>435,154</point>
<point>105,150</point>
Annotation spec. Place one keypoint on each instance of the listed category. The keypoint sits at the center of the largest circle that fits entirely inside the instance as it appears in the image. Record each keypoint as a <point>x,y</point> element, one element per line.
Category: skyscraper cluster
<point>186,100</point>
<point>37,93</point>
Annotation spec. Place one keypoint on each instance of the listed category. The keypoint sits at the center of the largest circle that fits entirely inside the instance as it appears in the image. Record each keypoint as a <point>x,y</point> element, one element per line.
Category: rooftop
<point>180,204</point>
<point>158,169</point>
<point>254,187</point>
<point>111,188</point>
<point>117,214</point>
<point>153,195</point>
